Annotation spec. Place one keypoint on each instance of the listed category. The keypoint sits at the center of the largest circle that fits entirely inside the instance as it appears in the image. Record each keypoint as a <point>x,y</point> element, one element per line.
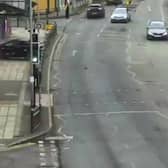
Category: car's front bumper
<point>119,20</point>
<point>149,36</point>
<point>95,14</point>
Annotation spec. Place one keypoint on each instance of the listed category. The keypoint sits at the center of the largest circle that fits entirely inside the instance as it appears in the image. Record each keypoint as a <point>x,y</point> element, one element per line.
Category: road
<point>110,87</point>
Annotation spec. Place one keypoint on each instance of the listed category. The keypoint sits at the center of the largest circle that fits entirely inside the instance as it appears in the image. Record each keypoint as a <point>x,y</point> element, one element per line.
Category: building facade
<point>44,5</point>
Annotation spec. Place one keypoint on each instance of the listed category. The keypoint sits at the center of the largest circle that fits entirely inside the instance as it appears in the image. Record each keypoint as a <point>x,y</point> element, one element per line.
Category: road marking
<point>107,113</point>
<point>10,94</point>
<point>56,138</point>
<point>74,52</point>
<point>98,35</point>
<point>149,9</point>
<point>161,10</point>
<point>66,148</point>
<point>60,130</point>
<point>162,115</point>
<point>78,34</point>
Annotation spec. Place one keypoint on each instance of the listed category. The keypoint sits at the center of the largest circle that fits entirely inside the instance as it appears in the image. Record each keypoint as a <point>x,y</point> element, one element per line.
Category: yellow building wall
<point>42,5</point>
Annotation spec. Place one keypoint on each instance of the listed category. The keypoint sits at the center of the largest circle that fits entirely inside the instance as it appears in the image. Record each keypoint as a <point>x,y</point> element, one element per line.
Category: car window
<point>160,25</point>
<point>95,6</point>
<point>120,11</point>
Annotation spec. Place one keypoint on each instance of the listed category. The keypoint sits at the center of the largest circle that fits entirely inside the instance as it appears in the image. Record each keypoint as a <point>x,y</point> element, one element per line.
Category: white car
<point>156,30</point>
<point>120,15</point>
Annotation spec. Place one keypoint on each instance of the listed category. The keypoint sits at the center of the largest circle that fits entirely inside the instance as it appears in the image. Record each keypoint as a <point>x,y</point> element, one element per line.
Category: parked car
<point>15,49</point>
<point>113,2</point>
<point>156,30</point>
<point>95,10</point>
<point>120,15</point>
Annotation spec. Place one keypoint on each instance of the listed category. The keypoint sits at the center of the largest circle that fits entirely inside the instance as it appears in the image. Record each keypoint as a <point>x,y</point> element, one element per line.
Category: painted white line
<point>59,130</point>
<point>10,94</point>
<point>42,154</point>
<point>106,113</point>
<point>98,35</point>
<point>41,142</point>
<point>78,34</point>
<point>66,148</point>
<point>149,9</point>
<point>162,115</point>
<point>74,52</point>
<point>161,10</point>
<point>64,137</point>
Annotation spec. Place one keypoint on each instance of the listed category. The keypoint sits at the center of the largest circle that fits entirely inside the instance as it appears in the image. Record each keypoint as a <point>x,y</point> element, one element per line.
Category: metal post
<point>31,53</point>
<point>47,11</point>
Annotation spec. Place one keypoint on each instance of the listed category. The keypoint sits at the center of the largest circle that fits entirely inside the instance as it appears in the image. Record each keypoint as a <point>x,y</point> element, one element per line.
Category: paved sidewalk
<point>15,95</point>
<point>14,82</point>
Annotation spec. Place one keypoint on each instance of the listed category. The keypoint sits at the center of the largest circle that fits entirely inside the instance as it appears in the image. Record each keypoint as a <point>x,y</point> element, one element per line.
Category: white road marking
<point>43,164</point>
<point>98,35</point>
<point>162,115</point>
<point>78,34</point>
<point>149,9</point>
<point>59,130</point>
<point>42,154</point>
<point>74,52</point>
<point>161,11</point>
<point>41,142</point>
<point>66,148</point>
<point>10,94</point>
<point>56,138</point>
<point>108,113</point>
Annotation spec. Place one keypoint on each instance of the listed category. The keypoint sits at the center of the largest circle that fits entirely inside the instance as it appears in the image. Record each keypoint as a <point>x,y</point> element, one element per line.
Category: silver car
<point>156,30</point>
<point>120,15</point>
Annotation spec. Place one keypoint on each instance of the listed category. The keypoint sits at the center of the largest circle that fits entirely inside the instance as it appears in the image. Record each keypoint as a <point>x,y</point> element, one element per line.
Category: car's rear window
<point>95,6</point>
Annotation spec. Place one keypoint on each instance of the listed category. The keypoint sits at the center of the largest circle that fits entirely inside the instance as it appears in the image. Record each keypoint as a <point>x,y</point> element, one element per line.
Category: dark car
<point>156,30</point>
<point>113,2</point>
<point>95,10</point>
<point>15,49</point>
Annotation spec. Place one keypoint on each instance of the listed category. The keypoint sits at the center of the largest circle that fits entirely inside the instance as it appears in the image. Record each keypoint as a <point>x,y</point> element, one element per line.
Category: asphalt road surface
<point>111,92</point>
<point>110,96</point>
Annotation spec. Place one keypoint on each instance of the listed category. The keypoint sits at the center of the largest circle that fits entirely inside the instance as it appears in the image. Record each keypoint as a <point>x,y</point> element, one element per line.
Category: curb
<point>16,143</point>
<point>42,133</point>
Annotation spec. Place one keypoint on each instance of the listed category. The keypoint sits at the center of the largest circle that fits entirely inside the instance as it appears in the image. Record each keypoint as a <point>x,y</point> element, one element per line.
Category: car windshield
<point>158,25</point>
<point>95,6</point>
<point>120,11</point>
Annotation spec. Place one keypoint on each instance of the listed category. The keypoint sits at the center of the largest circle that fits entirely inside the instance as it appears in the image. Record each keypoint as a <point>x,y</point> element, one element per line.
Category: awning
<point>9,10</point>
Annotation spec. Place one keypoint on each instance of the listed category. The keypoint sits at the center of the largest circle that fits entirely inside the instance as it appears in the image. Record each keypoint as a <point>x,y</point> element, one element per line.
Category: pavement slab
<point>8,113</point>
